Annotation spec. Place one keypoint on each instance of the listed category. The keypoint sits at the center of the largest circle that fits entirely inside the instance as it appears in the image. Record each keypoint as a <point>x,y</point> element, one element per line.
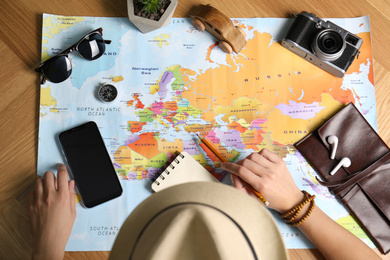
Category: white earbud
<point>344,162</point>
<point>333,141</point>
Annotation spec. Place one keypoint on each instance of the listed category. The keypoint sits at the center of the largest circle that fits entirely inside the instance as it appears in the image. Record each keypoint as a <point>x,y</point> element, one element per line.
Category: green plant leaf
<point>150,6</point>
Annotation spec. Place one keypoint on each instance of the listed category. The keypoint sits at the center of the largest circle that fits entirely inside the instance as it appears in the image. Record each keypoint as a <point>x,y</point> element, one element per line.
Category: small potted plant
<point>149,15</point>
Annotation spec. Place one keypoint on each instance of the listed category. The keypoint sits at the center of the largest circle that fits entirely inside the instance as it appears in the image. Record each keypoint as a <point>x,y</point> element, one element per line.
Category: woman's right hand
<point>266,173</point>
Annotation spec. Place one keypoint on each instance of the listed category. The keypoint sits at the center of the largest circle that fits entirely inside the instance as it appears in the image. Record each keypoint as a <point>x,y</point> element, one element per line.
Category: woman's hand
<point>52,214</point>
<point>266,173</point>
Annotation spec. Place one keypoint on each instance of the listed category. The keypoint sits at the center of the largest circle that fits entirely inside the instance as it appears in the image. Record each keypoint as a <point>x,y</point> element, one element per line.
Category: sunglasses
<point>58,68</point>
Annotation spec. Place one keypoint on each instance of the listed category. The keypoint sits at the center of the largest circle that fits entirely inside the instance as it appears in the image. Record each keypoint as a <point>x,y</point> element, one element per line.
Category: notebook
<point>182,170</point>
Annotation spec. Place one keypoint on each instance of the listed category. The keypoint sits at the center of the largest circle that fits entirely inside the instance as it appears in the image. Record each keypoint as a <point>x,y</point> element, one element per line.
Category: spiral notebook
<point>182,170</point>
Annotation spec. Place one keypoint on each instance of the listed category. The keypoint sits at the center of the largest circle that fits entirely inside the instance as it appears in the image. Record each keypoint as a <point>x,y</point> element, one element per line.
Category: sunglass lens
<point>58,69</point>
<point>92,47</point>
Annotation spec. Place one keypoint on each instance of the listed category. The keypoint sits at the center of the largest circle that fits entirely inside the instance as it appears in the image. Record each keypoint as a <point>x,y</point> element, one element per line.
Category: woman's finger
<point>49,182</point>
<point>62,178</point>
<point>37,193</point>
<point>240,171</point>
<point>270,156</point>
<point>238,184</point>
<point>72,196</point>
<point>38,187</point>
<point>257,164</point>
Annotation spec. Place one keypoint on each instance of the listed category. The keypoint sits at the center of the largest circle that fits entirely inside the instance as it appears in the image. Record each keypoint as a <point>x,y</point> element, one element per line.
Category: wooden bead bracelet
<point>290,215</point>
<point>293,224</point>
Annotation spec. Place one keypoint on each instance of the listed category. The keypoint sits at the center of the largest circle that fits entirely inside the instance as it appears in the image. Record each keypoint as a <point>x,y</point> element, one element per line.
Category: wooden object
<point>232,38</point>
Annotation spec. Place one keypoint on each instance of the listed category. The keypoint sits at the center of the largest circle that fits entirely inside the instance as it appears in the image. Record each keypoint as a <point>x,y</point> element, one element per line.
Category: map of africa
<point>174,83</point>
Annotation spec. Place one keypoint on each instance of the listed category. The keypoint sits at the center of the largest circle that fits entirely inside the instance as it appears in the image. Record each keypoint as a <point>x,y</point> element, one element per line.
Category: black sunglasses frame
<point>74,47</point>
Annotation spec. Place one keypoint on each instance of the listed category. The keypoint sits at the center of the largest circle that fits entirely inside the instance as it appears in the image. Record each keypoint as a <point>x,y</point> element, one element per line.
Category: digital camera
<point>324,44</point>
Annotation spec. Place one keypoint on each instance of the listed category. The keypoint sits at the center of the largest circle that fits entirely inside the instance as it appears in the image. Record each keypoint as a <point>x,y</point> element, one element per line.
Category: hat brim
<point>252,217</point>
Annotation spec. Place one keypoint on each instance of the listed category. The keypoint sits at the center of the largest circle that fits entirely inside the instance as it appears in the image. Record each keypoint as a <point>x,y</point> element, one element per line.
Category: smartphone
<point>90,164</point>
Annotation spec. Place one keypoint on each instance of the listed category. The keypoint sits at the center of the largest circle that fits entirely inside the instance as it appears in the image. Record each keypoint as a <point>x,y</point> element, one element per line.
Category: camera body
<point>324,44</point>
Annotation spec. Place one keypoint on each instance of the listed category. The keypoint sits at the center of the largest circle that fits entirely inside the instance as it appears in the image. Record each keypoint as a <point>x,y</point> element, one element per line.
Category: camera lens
<point>328,45</point>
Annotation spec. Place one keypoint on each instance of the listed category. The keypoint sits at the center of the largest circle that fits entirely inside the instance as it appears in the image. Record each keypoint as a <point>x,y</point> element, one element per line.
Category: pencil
<point>215,152</point>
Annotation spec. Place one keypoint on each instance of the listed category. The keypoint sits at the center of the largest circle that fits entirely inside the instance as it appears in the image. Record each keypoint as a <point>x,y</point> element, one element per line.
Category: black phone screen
<point>90,164</point>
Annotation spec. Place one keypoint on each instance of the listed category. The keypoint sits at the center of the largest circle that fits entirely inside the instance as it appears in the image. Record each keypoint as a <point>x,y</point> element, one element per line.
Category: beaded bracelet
<point>297,207</point>
<point>293,224</point>
<point>290,215</point>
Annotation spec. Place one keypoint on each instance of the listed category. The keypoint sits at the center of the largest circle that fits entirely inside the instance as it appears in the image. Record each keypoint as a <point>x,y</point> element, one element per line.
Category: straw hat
<point>200,220</point>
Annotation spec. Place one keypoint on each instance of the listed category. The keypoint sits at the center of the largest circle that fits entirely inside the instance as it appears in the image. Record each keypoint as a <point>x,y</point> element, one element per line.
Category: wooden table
<point>20,48</point>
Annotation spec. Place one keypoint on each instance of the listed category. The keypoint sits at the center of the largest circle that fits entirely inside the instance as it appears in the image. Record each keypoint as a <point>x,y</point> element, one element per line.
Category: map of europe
<point>175,83</point>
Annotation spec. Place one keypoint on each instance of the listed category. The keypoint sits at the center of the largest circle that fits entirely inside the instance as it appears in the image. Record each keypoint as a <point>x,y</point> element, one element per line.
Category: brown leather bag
<point>363,187</point>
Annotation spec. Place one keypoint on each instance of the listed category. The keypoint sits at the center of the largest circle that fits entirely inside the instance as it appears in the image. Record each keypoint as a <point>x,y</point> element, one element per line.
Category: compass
<point>107,93</point>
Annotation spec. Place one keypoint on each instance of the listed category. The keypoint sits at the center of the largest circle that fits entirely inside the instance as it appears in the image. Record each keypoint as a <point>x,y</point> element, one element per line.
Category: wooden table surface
<point>20,48</point>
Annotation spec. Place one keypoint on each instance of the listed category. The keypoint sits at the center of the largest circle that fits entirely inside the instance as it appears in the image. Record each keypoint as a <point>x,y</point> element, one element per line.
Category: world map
<point>175,83</point>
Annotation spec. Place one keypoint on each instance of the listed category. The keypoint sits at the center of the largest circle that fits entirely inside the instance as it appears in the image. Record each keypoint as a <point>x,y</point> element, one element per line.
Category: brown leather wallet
<point>364,186</point>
